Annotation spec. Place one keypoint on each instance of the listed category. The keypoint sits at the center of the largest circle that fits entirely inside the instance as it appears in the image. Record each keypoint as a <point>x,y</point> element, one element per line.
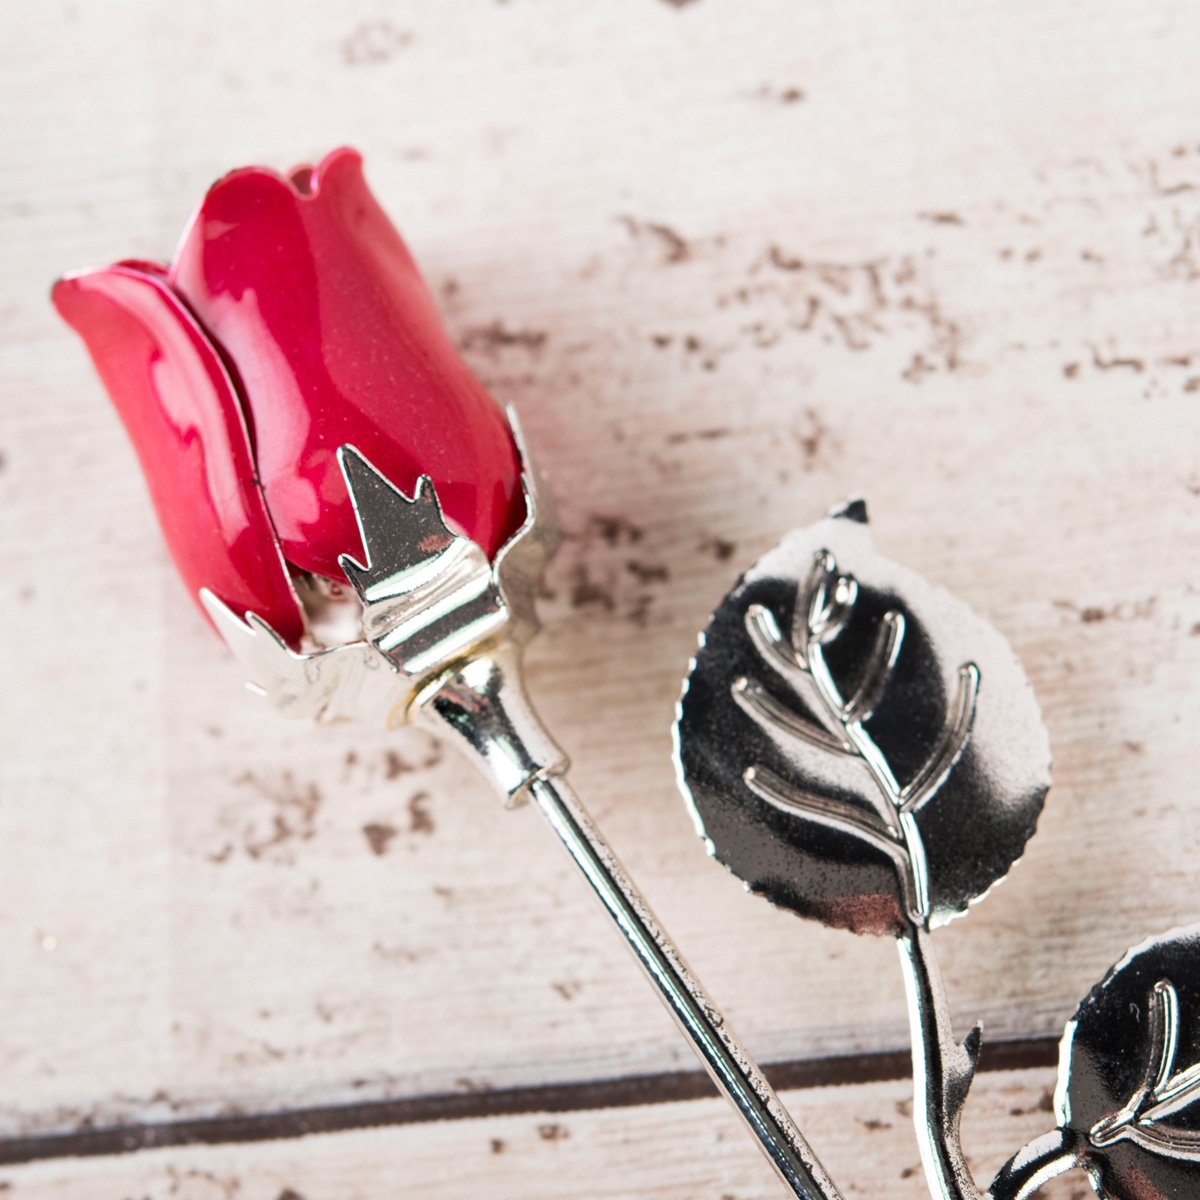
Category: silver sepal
<point>430,600</point>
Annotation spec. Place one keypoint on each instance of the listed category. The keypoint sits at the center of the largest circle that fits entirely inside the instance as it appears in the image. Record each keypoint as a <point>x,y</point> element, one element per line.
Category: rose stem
<point>484,702</point>
<point>718,1048</point>
<point>942,1069</point>
<point>942,1073</point>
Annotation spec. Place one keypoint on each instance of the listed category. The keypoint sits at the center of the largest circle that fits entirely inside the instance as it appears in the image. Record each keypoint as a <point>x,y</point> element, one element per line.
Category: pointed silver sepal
<point>431,601</point>
<point>340,683</point>
<point>429,595</point>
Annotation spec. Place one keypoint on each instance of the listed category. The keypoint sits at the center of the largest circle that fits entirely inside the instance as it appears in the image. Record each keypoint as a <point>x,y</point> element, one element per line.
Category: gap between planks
<point>629,1091</point>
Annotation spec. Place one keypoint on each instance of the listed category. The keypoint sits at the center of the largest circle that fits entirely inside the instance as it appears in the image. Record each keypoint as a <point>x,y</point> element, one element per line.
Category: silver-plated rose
<point>436,638</point>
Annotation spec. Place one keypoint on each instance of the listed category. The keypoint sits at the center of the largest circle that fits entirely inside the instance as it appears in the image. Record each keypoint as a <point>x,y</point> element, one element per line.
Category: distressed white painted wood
<point>733,261</point>
<point>669,1152</point>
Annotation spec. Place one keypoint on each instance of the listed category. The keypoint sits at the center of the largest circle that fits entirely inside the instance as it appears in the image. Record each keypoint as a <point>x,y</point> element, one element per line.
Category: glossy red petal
<point>185,421</point>
<point>334,337</point>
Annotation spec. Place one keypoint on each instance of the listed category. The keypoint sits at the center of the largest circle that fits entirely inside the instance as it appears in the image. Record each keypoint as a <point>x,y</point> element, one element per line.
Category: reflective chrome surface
<point>855,743</point>
<point>485,705</point>
<point>346,681</point>
<point>1129,1083</point>
<point>724,1057</point>
<point>943,1070</point>
<point>858,746</point>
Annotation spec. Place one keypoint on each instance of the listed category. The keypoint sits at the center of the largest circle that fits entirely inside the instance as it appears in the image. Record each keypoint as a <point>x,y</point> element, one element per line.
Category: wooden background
<point>734,260</point>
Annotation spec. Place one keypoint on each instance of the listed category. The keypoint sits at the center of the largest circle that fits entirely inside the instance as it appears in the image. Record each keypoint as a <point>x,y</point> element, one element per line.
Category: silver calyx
<point>430,598</point>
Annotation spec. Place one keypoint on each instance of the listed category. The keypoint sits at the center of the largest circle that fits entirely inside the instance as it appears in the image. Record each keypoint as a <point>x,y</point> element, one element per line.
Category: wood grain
<point>666,1152</point>
<point>733,262</point>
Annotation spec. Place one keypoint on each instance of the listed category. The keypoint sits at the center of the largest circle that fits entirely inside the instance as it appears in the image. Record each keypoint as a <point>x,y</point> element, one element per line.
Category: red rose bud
<point>293,321</point>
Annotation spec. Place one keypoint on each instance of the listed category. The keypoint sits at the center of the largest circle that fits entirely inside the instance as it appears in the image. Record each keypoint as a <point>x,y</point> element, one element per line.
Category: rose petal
<point>184,417</point>
<point>334,338</point>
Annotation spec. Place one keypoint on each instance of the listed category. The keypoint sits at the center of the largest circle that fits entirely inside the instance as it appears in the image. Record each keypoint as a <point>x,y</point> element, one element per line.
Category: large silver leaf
<point>854,742</point>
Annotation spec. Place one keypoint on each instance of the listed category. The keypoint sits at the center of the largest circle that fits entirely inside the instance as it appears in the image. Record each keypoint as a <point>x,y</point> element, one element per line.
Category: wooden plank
<point>864,1135</point>
<point>733,262</point>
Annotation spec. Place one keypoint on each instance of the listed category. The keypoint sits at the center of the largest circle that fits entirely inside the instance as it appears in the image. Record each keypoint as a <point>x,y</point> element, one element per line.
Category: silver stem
<point>716,1045</point>
<point>485,703</point>
<point>942,1070</point>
